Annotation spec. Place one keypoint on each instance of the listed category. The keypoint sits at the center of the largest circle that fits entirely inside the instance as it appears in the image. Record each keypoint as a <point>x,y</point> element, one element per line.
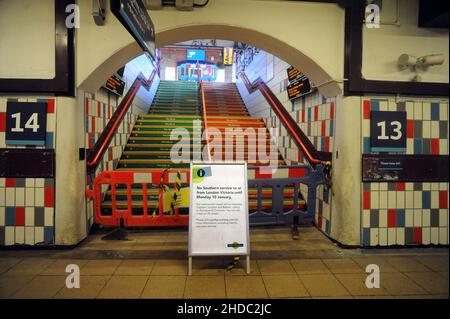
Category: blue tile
<point>400,218</point>
<point>374,105</point>
<point>49,140</point>
<point>327,227</point>
<point>417,146</point>
<point>435,111</point>
<point>331,127</point>
<point>426,199</point>
<point>309,114</point>
<point>48,235</point>
<point>366,148</point>
<point>10,216</point>
<point>366,237</point>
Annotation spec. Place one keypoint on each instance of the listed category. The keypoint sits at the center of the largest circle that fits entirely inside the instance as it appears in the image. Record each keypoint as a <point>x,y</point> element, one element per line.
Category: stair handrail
<point>313,156</point>
<point>205,124</point>
<point>99,148</point>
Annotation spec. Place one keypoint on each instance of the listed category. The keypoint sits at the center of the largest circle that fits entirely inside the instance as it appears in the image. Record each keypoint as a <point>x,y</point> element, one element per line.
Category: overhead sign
<point>218,214</point>
<point>387,131</point>
<point>115,84</point>
<point>196,55</point>
<point>26,123</point>
<point>227,56</point>
<point>298,87</point>
<point>293,73</point>
<point>134,16</point>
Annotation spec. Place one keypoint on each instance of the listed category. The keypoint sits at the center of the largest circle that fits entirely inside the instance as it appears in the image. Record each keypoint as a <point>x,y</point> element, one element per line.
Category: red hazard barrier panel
<point>130,212</point>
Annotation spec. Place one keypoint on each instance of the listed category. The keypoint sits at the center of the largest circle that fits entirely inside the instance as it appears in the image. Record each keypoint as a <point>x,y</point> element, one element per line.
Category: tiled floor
<point>153,264</point>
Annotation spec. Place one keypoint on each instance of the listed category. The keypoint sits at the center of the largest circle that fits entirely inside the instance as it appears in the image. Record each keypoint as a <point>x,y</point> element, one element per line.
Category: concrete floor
<point>153,264</point>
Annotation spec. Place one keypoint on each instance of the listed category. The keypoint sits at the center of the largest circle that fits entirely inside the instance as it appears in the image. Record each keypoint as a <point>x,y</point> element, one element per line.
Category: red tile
<point>2,121</point>
<point>51,106</point>
<point>20,216</point>
<point>316,113</point>
<point>49,199</point>
<point>303,116</point>
<point>93,123</point>
<point>332,110</point>
<point>410,129</point>
<point>435,146</point>
<point>392,220</point>
<point>263,173</point>
<point>366,200</point>
<point>366,109</point>
<point>417,235</point>
<point>86,105</point>
<point>323,128</point>
<point>98,109</point>
<point>319,221</point>
<point>10,182</point>
<point>400,186</point>
<point>443,204</point>
<point>327,144</point>
<point>296,172</point>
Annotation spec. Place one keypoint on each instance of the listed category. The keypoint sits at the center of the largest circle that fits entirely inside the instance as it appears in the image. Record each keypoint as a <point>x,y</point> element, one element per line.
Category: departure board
<point>298,87</point>
<point>115,84</point>
<point>292,73</point>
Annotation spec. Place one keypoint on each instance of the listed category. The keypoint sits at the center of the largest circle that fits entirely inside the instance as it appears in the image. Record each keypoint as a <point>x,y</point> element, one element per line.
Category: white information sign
<point>218,214</point>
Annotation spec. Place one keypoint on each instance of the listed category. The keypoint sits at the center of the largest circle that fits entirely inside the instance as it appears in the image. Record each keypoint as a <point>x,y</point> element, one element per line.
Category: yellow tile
<point>406,264</point>
<point>275,267</point>
<point>205,287</point>
<point>309,266</point>
<point>399,284</point>
<point>379,261</point>
<point>240,269</point>
<point>138,267</point>
<point>432,282</point>
<point>210,267</point>
<point>6,263</point>
<point>343,266</point>
<point>90,287</point>
<point>166,287</point>
<point>59,267</point>
<point>245,287</point>
<point>435,263</point>
<point>323,285</point>
<point>11,284</point>
<point>170,267</point>
<point>99,267</point>
<point>356,285</point>
<point>124,287</point>
<point>285,286</point>
<point>30,266</point>
<point>41,287</point>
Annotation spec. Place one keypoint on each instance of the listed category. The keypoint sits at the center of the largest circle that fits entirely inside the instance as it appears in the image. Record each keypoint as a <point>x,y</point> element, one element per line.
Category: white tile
<point>400,199</point>
<point>426,215</point>
<point>20,235</point>
<point>2,182</point>
<point>373,236</point>
<point>366,218</point>
<point>443,235</point>
<point>434,129</point>
<point>426,129</point>
<point>2,216</point>
<point>426,235</point>
<point>39,197</point>
<point>417,217</point>
<point>2,196</point>
<point>20,196</point>
<point>29,216</point>
<point>374,186</point>
<point>434,186</point>
<point>374,200</point>
<point>383,186</point>
<point>426,111</point>
<point>443,186</point>
<point>426,186</point>
<point>443,217</point>
<point>417,199</point>
<point>29,196</point>
<point>409,199</point>
<point>38,235</point>
<point>434,199</point>
<point>383,199</point>
<point>39,182</point>
<point>29,235</point>
<point>400,236</point>
<point>443,112</point>
<point>392,199</point>
<point>10,196</point>
<point>9,235</point>
<point>382,218</point>
<point>48,213</point>
<point>409,186</point>
<point>434,235</point>
<point>409,110</point>
<point>392,236</point>
<point>409,218</point>
<point>443,147</point>
<point>29,182</point>
<point>418,111</point>
<point>383,233</point>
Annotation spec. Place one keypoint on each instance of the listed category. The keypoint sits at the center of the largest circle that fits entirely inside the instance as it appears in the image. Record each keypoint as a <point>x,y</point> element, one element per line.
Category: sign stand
<point>218,211</point>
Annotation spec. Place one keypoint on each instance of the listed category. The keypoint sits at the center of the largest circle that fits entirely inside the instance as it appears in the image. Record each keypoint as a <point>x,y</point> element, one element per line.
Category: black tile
<point>374,218</point>
<point>434,218</point>
<point>39,216</point>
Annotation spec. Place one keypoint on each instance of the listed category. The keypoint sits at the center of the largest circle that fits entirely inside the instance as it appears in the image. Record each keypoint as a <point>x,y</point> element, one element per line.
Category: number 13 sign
<point>26,123</point>
<point>388,131</point>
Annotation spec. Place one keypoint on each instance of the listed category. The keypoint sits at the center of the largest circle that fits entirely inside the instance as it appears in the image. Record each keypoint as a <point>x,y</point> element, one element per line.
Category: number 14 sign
<point>26,123</point>
<point>387,131</point>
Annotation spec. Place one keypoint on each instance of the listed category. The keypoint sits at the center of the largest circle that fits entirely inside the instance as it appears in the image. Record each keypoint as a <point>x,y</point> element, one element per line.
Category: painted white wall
<point>291,30</point>
<point>383,46</point>
<point>27,39</point>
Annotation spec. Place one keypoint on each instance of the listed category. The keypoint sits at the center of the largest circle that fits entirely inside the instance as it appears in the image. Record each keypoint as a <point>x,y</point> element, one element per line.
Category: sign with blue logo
<point>26,123</point>
<point>196,55</point>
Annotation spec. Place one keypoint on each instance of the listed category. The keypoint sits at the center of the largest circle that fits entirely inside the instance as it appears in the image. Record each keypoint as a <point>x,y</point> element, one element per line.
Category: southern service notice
<point>218,221</point>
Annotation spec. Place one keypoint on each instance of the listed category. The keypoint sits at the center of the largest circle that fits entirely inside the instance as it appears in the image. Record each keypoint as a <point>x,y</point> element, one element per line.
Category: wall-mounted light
<point>406,61</point>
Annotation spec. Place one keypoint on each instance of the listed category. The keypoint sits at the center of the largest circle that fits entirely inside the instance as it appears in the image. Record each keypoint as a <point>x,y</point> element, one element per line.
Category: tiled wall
<point>99,108</point>
<point>27,205</point>
<point>314,114</point>
<point>407,213</point>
